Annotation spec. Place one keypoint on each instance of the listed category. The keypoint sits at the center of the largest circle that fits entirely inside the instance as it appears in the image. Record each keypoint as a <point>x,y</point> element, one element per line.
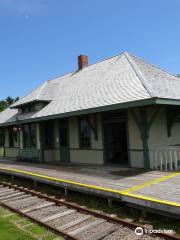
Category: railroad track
<point>69,220</point>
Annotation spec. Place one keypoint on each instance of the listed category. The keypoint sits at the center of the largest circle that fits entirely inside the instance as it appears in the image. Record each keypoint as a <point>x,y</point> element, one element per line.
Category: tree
<point>7,102</point>
<point>2,105</point>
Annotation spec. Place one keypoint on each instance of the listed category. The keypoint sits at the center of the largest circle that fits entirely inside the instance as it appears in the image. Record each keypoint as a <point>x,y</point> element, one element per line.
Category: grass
<point>9,231</point>
<point>13,227</point>
<point>165,223</point>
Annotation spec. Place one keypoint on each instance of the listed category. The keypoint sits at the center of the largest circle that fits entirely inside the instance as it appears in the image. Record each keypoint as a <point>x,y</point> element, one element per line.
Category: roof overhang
<point>27,103</point>
<point>126,105</point>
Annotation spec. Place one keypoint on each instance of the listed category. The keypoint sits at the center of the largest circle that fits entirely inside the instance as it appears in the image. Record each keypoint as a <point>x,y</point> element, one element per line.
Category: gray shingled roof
<point>44,92</point>
<point>120,79</point>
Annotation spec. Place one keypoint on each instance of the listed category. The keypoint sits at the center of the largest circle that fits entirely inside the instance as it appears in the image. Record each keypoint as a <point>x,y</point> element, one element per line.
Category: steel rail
<point>61,233</point>
<point>79,209</point>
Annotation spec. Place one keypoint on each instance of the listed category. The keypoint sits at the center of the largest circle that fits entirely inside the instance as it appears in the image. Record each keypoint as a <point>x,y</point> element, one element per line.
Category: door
<point>64,140</point>
<point>115,136</point>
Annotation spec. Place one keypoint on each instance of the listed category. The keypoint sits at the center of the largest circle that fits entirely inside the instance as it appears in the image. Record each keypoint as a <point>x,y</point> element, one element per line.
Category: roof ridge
<point>89,65</point>
<point>41,89</point>
<point>138,72</point>
<point>153,65</point>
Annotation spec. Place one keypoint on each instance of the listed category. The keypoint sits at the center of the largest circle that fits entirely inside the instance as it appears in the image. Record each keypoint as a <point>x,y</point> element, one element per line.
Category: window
<point>12,137</point>
<point>64,133</point>
<point>64,136</point>
<point>84,133</point>
<point>29,135</point>
<point>28,108</point>
<point>48,131</point>
<point>32,135</point>
<point>2,138</point>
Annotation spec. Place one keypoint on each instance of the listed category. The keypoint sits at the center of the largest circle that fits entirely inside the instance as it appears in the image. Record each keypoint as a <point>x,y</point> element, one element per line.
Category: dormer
<point>37,99</point>
<point>31,107</point>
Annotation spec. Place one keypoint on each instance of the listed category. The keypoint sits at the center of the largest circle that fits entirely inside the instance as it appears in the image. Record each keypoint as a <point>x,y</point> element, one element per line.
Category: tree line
<point>7,102</point>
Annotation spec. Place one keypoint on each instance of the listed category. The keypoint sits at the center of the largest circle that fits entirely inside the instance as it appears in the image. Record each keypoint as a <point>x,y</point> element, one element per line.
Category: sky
<point>41,39</point>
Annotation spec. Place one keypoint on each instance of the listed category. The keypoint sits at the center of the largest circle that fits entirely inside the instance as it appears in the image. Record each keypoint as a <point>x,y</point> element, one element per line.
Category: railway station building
<point>121,110</point>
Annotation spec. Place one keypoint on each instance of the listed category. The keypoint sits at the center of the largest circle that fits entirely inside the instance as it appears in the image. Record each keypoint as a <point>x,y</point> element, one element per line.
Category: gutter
<point>126,105</point>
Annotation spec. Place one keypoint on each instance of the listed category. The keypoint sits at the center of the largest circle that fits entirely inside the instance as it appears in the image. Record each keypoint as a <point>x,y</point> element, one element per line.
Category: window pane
<point>2,138</point>
<point>12,137</point>
<point>33,136</point>
<point>64,137</point>
<point>84,133</point>
<point>48,134</point>
<point>26,138</point>
<point>29,136</point>
<point>28,108</point>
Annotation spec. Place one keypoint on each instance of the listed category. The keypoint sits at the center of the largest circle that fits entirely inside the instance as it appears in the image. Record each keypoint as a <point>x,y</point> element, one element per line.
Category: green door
<point>64,140</point>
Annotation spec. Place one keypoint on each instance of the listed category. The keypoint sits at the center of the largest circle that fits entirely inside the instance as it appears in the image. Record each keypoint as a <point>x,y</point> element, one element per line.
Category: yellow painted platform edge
<point>123,192</point>
<point>62,180</point>
<point>152,199</point>
<point>161,179</point>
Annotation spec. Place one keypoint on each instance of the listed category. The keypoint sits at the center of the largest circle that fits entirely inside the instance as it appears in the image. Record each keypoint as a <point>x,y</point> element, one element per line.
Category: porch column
<point>2,140</point>
<point>6,134</point>
<point>39,141</point>
<point>21,140</point>
<point>145,136</point>
<point>144,124</point>
<point>57,151</point>
<point>56,133</point>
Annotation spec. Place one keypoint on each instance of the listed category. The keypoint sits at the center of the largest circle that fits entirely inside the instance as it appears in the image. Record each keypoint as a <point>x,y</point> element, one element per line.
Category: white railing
<point>165,158</point>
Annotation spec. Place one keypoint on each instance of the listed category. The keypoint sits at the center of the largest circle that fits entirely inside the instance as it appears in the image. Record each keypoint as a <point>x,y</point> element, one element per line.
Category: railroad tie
<point>84,228</point>
<point>131,236</point>
<point>11,195</point>
<point>73,223</point>
<point>29,197</point>
<point>37,207</point>
<point>104,232</point>
<point>7,190</point>
<point>23,196</point>
<point>58,215</point>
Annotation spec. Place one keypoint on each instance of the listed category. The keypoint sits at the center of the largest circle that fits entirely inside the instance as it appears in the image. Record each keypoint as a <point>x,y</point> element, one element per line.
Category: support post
<point>145,137</point>
<point>19,141</point>
<point>143,214</point>
<point>12,179</point>
<point>35,184</point>
<point>66,192</point>
<point>110,202</point>
<point>144,126</point>
<point>40,142</point>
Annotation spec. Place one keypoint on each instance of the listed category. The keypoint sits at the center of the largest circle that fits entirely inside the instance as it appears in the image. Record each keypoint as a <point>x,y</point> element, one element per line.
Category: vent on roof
<point>82,61</point>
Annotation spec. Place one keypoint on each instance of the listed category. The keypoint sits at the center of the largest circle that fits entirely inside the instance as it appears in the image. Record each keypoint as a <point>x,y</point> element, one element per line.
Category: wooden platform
<point>152,189</point>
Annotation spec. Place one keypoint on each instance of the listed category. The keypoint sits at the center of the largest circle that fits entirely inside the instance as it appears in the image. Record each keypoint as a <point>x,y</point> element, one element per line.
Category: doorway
<point>115,139</point>
<point>64,140</point>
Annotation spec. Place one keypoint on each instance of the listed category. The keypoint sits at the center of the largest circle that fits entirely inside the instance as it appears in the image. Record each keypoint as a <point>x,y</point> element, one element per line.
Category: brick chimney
<point>82,61</point>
